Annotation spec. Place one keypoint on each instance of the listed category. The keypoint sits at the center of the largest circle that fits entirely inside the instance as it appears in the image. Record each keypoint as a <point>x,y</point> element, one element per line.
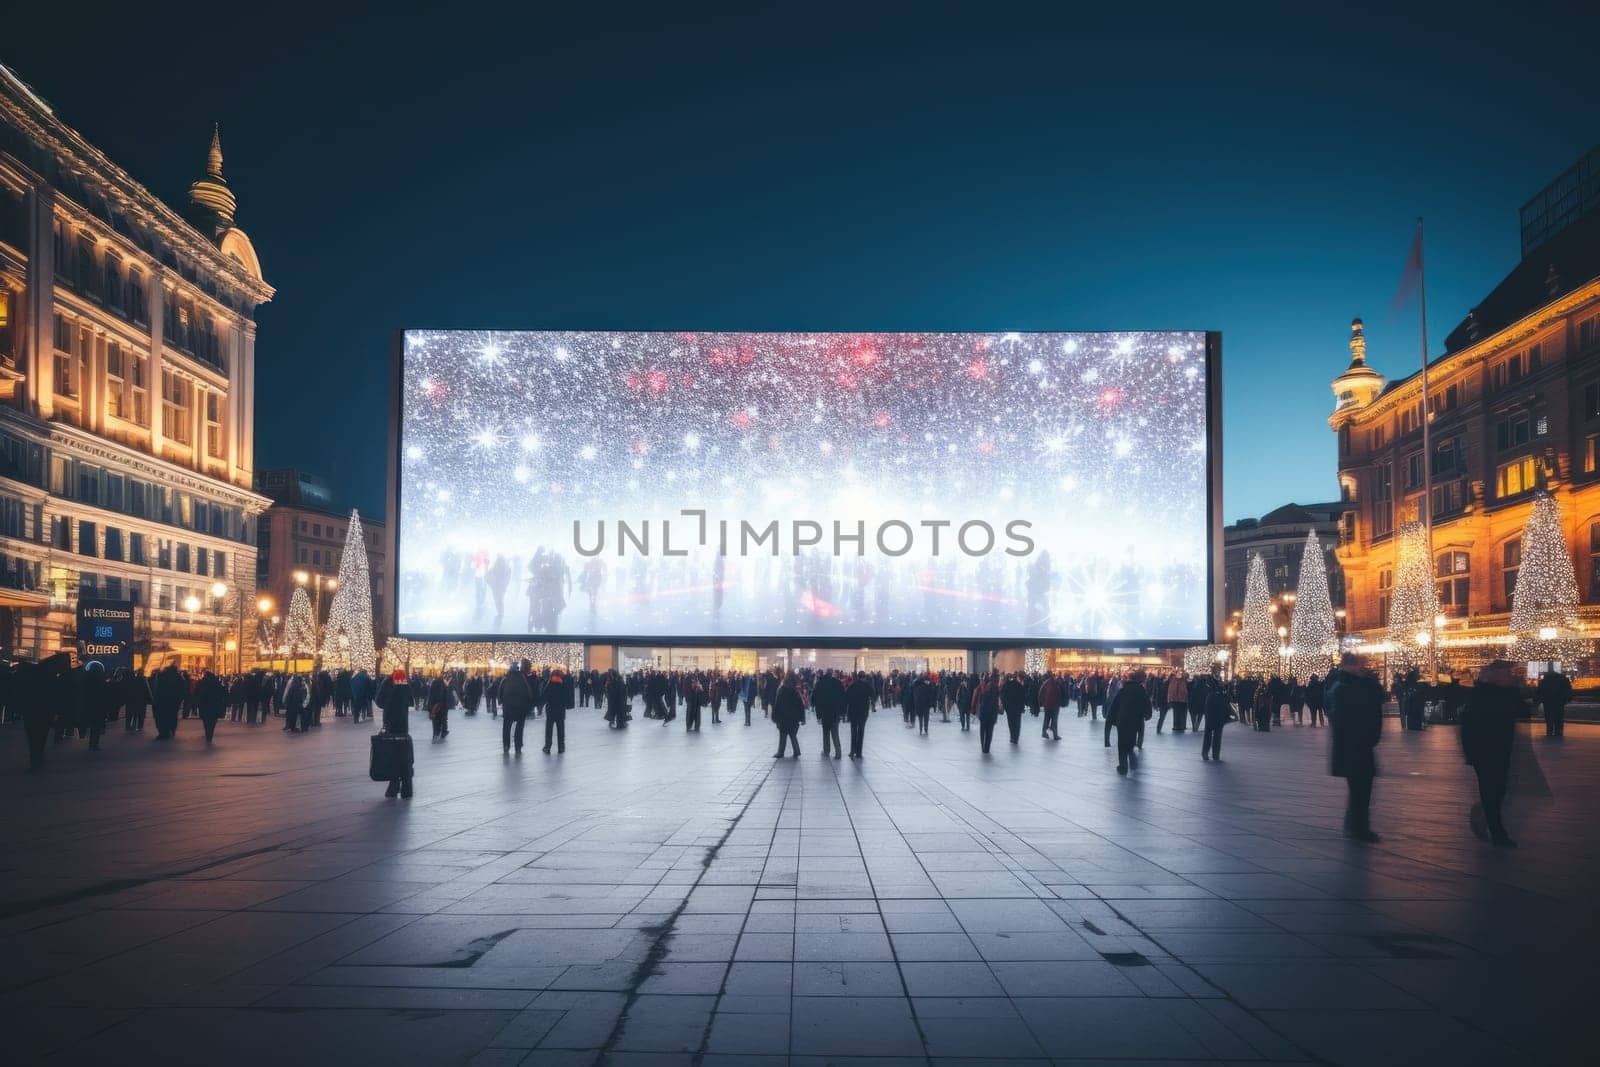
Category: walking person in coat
<point>170,691</point>
<point>1213,717</point>
<point>1012,698</point>
<point>788,713</point>
<point>516,701</point>
<point>295,715</point>
<point>1355,711</point>
<point>858,705</point>
<point>1129,709</point>
<point>1050,700</point>
<point>395,702</point>
<point>1488,734</point>
<point>988,703</point>
<point>439,701</point>
<point>1178,701</point>
<point>828,698</point>
<point>557,698</point>
<point>1555,690</point>
<point>213,698</point>
<point>617,710</point>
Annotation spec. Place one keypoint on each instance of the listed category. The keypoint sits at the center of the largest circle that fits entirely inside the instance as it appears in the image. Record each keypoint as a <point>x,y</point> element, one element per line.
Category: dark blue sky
<point>851,167</point>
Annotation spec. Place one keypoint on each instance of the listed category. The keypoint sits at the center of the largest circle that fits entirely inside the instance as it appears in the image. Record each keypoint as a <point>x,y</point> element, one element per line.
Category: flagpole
<point>1426,509</point>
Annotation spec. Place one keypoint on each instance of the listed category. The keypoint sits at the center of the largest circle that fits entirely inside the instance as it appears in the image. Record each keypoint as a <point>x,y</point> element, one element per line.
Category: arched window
<point>1453,580</point>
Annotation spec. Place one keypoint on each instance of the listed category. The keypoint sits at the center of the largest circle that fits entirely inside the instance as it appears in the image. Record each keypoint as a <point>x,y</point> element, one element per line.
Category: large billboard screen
<point>794,488</point>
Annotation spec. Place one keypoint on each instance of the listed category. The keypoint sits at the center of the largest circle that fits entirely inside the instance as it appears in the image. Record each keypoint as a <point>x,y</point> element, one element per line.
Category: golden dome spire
<point>211,202</point>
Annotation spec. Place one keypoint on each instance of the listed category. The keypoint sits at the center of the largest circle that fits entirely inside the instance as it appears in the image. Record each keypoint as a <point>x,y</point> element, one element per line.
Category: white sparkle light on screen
<point>1097,440</point>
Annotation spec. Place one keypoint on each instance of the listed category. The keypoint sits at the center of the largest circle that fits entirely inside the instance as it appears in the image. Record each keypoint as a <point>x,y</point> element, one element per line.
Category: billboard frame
<point>1214,539</point>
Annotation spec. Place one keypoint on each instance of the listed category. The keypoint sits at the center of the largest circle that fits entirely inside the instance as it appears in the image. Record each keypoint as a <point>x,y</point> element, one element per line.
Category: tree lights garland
<point>1257,654</point>
<point>347,637</point>
<point>1312,634</point>
<point>300,630</point>
<point>399,653</point>
<point>1414,604</point>
<point>1544,604</point>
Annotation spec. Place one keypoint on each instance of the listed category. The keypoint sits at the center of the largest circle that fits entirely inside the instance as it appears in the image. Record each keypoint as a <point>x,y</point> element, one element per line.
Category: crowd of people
<point>56,700</point>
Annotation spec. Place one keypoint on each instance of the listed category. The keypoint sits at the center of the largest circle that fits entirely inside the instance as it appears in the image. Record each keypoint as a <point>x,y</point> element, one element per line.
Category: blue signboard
<point>105,632</point>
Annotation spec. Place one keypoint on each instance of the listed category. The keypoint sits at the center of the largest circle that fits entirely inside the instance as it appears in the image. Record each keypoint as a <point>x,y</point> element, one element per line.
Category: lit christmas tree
<point>299,629</point>
<point>1312,634</point>
<point>347,637</point>
<point>1414,604</point>
<point>1544,604</point>
<point>1257,654</point>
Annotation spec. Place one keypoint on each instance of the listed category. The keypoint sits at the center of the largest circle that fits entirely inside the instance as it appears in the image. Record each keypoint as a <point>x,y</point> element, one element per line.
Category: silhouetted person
<point>988,702</point>
<point>1555,690</point>
<point>212,696</point>
<point>1050,697</point>
<point>30,688</point>
<point>516,701</point>
<point>1355,711</point>
<point>827,697</point>
<point>1488,733</point>
<point>1012,698</point>
<point>1129,709</point>
<point>396,702</point>
<point>858,705</point>
<point>557,699</point>
<point>1213,717</point>
<point>170,691</point>
<point>617,710</point>
<point>95,694</point>
<point>135,699</point>
<point>788,712</point>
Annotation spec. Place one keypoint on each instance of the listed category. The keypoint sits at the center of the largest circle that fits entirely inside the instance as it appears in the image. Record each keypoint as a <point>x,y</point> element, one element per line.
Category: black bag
<point>391,757</point>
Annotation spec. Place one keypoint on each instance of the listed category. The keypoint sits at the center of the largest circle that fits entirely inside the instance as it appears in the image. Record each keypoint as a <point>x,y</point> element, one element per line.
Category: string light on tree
<point>1257,654</point>
<point>347,637</point>
<point>1312,632</point>
<point>1544,604</point>
<point>1414,604</point>
<point>299,632</point>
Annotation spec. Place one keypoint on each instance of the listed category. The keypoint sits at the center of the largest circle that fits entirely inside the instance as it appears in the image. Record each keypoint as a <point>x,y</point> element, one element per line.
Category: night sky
<point>834,168</point>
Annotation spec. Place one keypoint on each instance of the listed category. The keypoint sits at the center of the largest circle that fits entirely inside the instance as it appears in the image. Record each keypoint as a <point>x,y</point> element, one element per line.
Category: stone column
<point>37,356</point>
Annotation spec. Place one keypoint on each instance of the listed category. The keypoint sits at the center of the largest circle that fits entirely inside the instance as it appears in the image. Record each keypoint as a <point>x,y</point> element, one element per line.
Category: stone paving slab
<point>657,897</point>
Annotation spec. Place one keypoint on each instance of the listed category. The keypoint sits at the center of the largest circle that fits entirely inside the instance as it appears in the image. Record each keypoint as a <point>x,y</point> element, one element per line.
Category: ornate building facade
<point>1279,538</point>
<point>127,374</point>
<point>1513,408</point>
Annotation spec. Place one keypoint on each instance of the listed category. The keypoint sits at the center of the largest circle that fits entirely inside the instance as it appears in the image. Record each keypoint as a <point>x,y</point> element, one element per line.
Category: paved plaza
<point>654,897</point>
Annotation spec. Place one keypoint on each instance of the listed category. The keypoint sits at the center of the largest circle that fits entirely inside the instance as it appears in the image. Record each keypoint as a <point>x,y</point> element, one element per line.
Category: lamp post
<point>263,608</point>
<point>316,581</point>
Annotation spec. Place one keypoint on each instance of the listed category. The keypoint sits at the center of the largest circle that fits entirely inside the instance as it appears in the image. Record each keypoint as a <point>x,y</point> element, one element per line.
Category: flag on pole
<point>1410,278</point>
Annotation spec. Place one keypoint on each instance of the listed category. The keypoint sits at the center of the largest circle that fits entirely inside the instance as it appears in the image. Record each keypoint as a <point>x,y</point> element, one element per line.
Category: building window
<point>202,562</point>
<point>1449,497</point>
<point>175,392</point>
<point>135,302</point>
<point>219,563</point>
<point>1591,400</point>
<point>1515,477</point>
<point>1452,578</point>
<point>1446,457</point>
<point>1344,440</point>
<point>1385,591</point>
<point>1594,563</point>
<point>1535,358</point>
<point>86,538</point>
<point>1411,419</point>
<point>1512,431</point>
<point>111,287</point>
<point>1508,372</point>
<point>1443,400</point>
<point>1588,334</point>
<point>113,544</point>
<point>116,371</point>
<point>1382,502</point>
<point>1414,471</point>
<point>183,558</point>
<point>136,548</point>
<point>1380,437</point>
<point>66,377</point>
<point>164,554</point>
<point>1510,564</point>
<point>214,425</point>
<point>1591,446</point>
<point>316,529</point>
<point>139,386</point>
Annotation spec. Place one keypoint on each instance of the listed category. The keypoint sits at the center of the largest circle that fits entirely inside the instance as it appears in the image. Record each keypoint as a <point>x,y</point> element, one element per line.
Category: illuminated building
<point>1514,407</point>
<point>127,366</point>
<point>1279,538</point>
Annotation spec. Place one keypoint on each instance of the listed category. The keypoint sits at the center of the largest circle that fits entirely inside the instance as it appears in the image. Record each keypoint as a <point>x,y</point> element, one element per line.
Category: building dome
<point>1359,385</point>
<point>211,202</point>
